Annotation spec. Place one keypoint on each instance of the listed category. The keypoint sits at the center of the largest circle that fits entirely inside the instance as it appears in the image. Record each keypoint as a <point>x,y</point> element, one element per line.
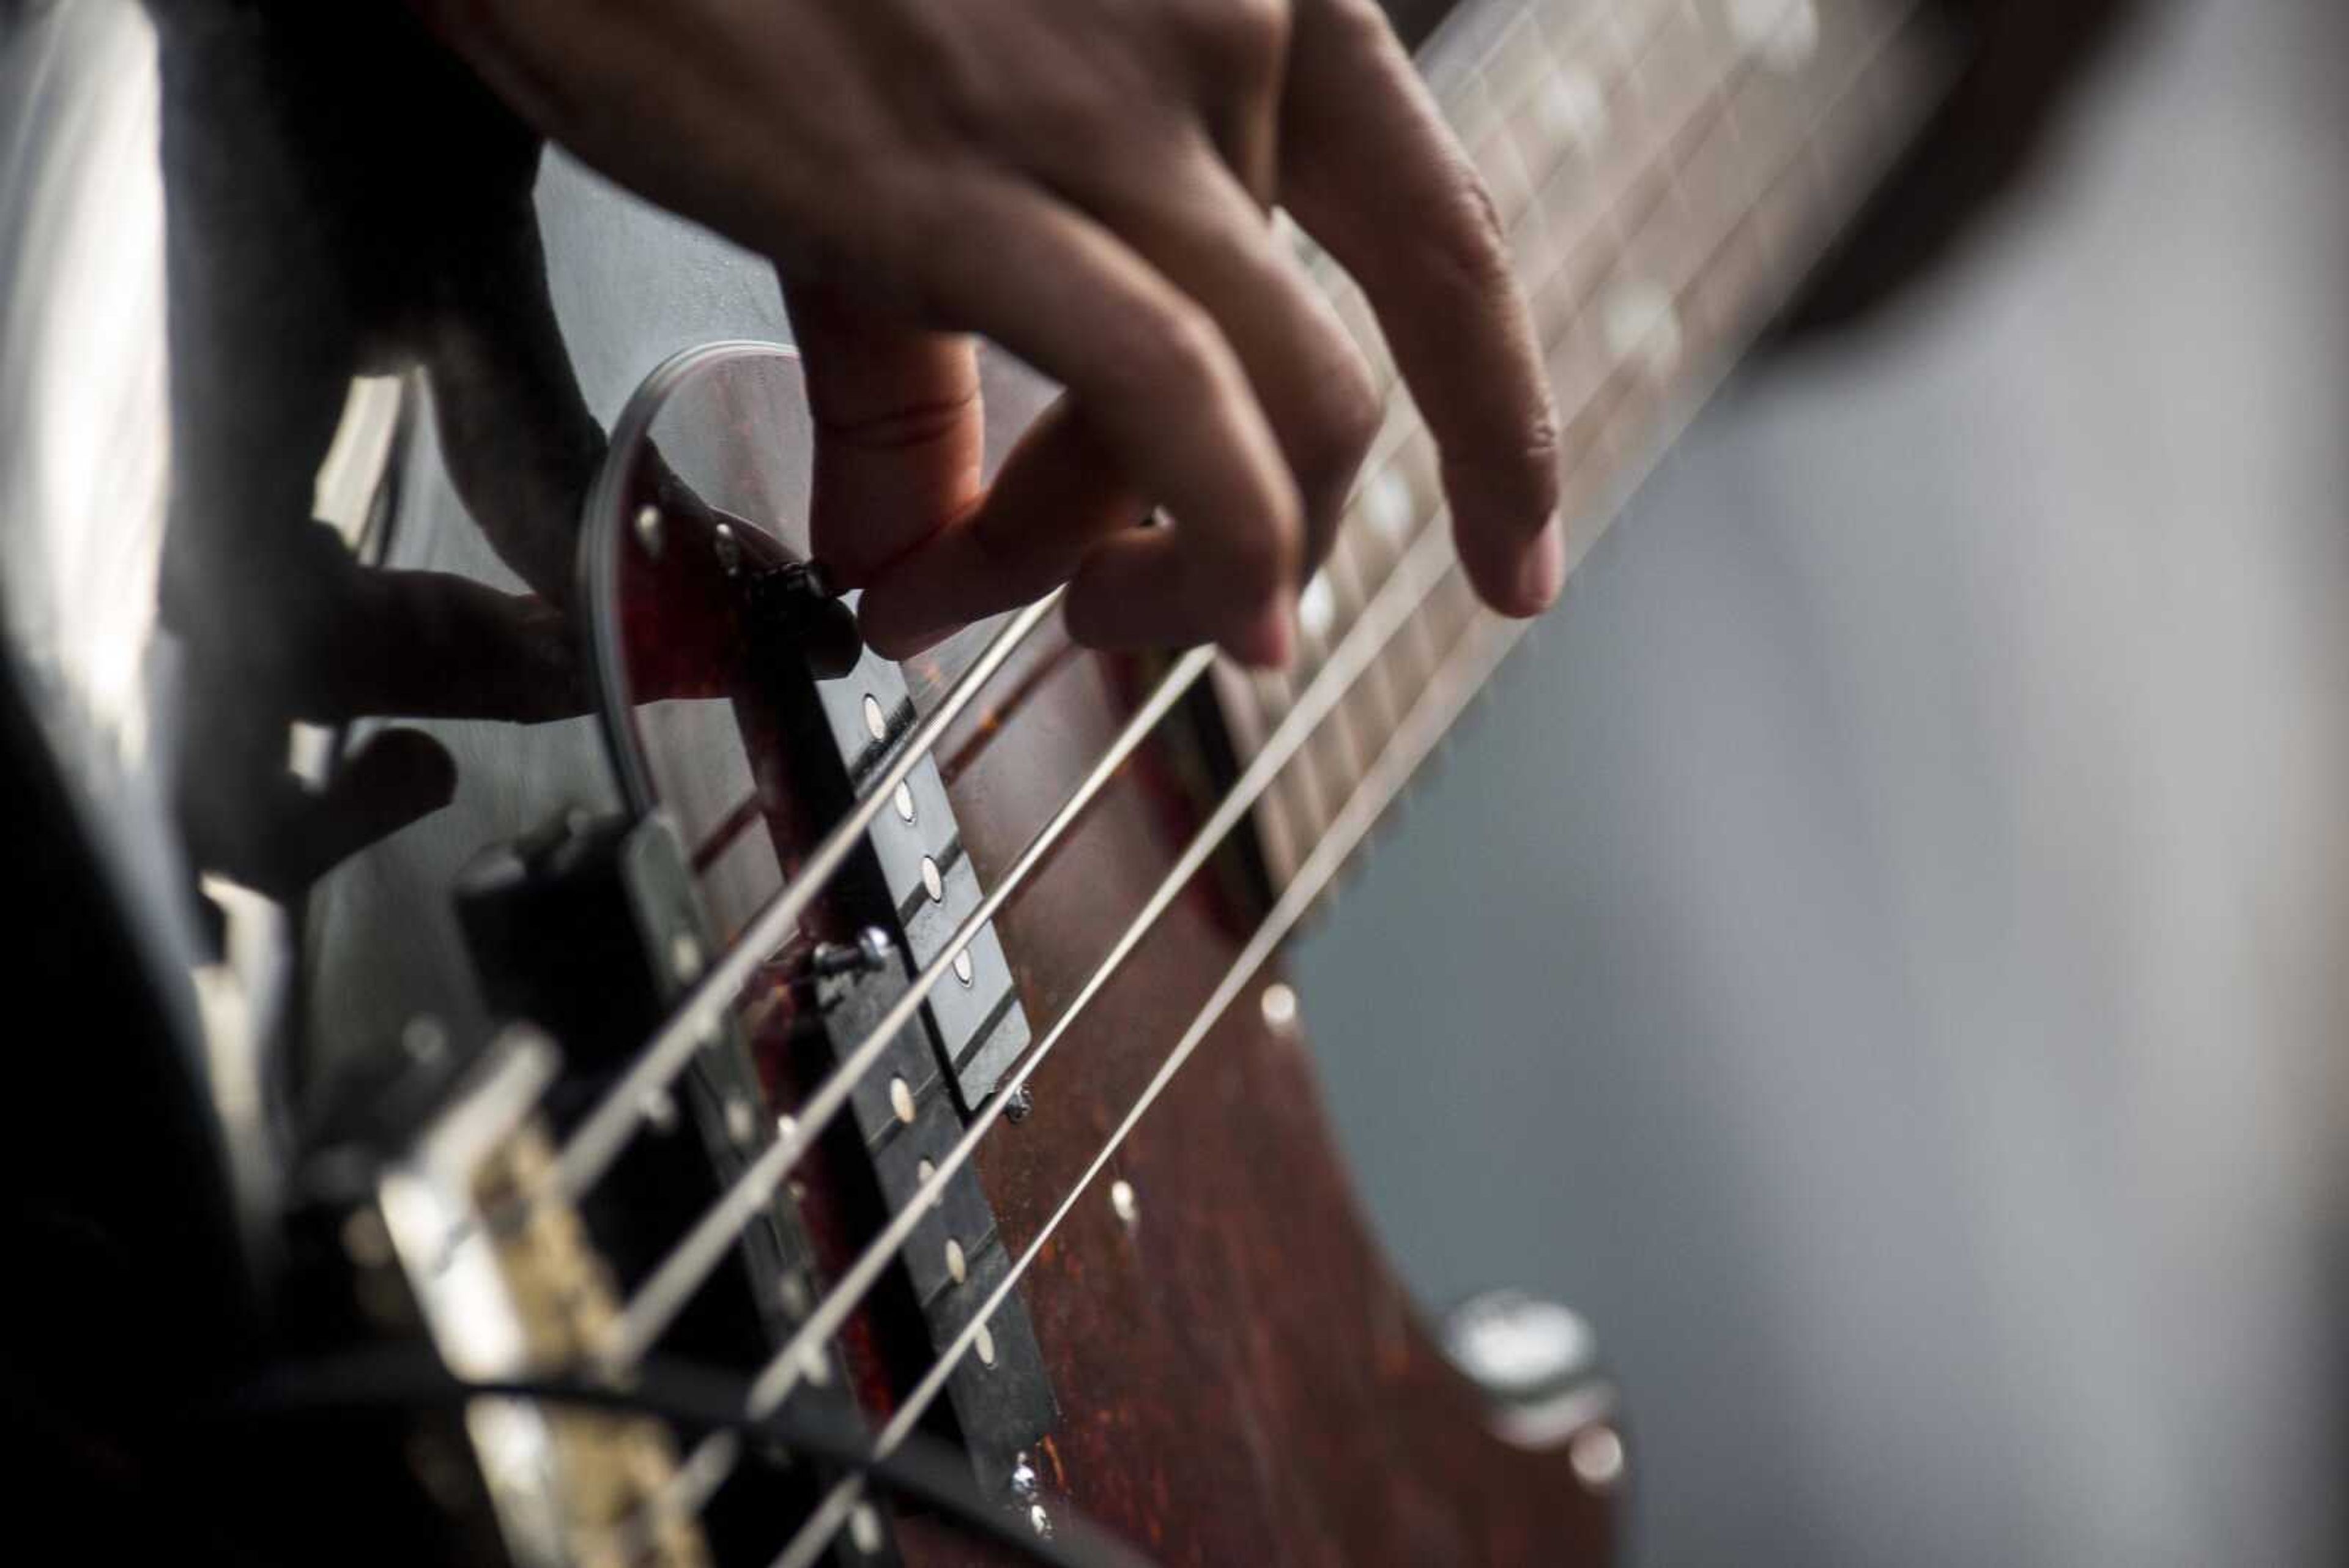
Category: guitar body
<point>1245,1378</point>
<point>299,645</point>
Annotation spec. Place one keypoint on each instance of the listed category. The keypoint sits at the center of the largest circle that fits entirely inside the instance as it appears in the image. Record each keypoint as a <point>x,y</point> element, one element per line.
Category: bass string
<point>598,1140</point>
<point>590,1150</point>
<point>1446,693</point>
<point>1422,570</point>
<point>666,1290</point>
<point>673,1281</point>
<point>1486,640</point>
<point>1404,750</point>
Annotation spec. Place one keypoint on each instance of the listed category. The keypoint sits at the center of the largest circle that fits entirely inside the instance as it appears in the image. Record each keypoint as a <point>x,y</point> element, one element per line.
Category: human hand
<point>1087,186</point>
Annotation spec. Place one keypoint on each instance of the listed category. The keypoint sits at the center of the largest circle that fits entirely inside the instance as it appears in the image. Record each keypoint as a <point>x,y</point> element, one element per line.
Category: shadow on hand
<point>347,201</point>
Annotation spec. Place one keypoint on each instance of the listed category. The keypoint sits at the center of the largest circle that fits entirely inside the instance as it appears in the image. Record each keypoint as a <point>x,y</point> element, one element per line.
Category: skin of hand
<point>1087,186</point>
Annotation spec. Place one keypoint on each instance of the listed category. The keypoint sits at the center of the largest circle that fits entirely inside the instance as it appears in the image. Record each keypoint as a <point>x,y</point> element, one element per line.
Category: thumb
<point>899,431</point>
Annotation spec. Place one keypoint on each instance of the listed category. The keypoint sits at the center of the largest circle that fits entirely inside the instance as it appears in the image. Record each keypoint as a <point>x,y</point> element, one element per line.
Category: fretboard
<point>1667,171</point>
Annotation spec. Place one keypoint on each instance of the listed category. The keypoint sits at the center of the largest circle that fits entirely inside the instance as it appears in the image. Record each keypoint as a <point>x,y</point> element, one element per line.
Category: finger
<point>1210,238</point>
<point>367,641</point>
<point>1158,381</point>
<point>1059,491</point>
<point>390,779</point>
<point>1371,172</point>
<point>1146,589</point>
<point>899,431</point>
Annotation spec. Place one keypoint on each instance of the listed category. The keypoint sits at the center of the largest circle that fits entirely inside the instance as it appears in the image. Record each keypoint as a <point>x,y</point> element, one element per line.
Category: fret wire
<point>1405,751</point>
<point>1299,782</point>
<point>1349,586</point>
<point>1400,425</point>
<point>1335,757</point>
<point>1620,409</point>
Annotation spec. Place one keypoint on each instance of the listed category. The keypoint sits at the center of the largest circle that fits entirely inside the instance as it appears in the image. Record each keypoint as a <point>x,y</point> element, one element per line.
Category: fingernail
<point>1542,573</point>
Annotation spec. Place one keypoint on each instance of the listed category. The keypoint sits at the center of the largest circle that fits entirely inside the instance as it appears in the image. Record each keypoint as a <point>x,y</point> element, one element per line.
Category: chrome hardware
<point>1538,1364</point>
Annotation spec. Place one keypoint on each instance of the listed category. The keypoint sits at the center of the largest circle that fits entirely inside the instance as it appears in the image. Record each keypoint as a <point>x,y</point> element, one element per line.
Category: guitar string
<point>1423,568</point>
<point>1456,684</point>
<point>1398,762</point>
<point>645,1324</point>
<point>599,1140</point>
<point>596,1143</point>
<point>687,1265</point>
<point>710,1467</point>
<point>672,1282</point>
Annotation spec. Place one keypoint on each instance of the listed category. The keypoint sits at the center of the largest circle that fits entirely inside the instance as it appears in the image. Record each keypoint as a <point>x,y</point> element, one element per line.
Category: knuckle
<point>1245,40</point>
<point>1471,251</point>
<point>1346,419</point>
<point>1359,24</point>
<point>1072,119</point>
<point>1357,411</point>
<point>1261,560</point>
<point>1175,351</point>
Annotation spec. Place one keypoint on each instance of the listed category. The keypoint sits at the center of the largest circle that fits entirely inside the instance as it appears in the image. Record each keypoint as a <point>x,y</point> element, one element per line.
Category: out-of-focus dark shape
<point>2023,61</point>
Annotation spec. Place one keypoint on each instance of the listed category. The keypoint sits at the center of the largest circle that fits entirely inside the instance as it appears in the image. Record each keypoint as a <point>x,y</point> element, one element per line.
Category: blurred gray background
<point>1881,956</point>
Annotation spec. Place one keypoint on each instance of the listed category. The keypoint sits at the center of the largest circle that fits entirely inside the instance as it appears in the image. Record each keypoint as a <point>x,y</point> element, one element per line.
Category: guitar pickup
<point>972,1013</point>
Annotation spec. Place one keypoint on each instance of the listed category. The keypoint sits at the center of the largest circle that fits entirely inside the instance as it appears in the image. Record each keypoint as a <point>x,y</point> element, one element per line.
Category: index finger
<point>1370,169</point>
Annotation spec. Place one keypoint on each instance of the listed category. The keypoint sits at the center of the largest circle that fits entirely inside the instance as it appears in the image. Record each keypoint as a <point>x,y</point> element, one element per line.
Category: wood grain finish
<point>1241,1378</point>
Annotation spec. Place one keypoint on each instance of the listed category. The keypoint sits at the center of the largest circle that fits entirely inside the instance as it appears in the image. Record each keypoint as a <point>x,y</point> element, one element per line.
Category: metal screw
<point>1021,1105</point>
<point>1279,1005</point>
<point>905,801</point>
<point>870,952</point>
<point>933,882</point>
<point>660,1111</point>
<point>876,723</point>
<point>1039,1521</point>
<point>1123,1204</point>
<point>1025,1485</point>
<point>728,549</point>
<point>958,1268</point>
<point>685,956</point>
<point>648,529</point>
<point>901,1100</point>
<point>741,1124</point>
<point>962,970</point>
<point>983,1342</point>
